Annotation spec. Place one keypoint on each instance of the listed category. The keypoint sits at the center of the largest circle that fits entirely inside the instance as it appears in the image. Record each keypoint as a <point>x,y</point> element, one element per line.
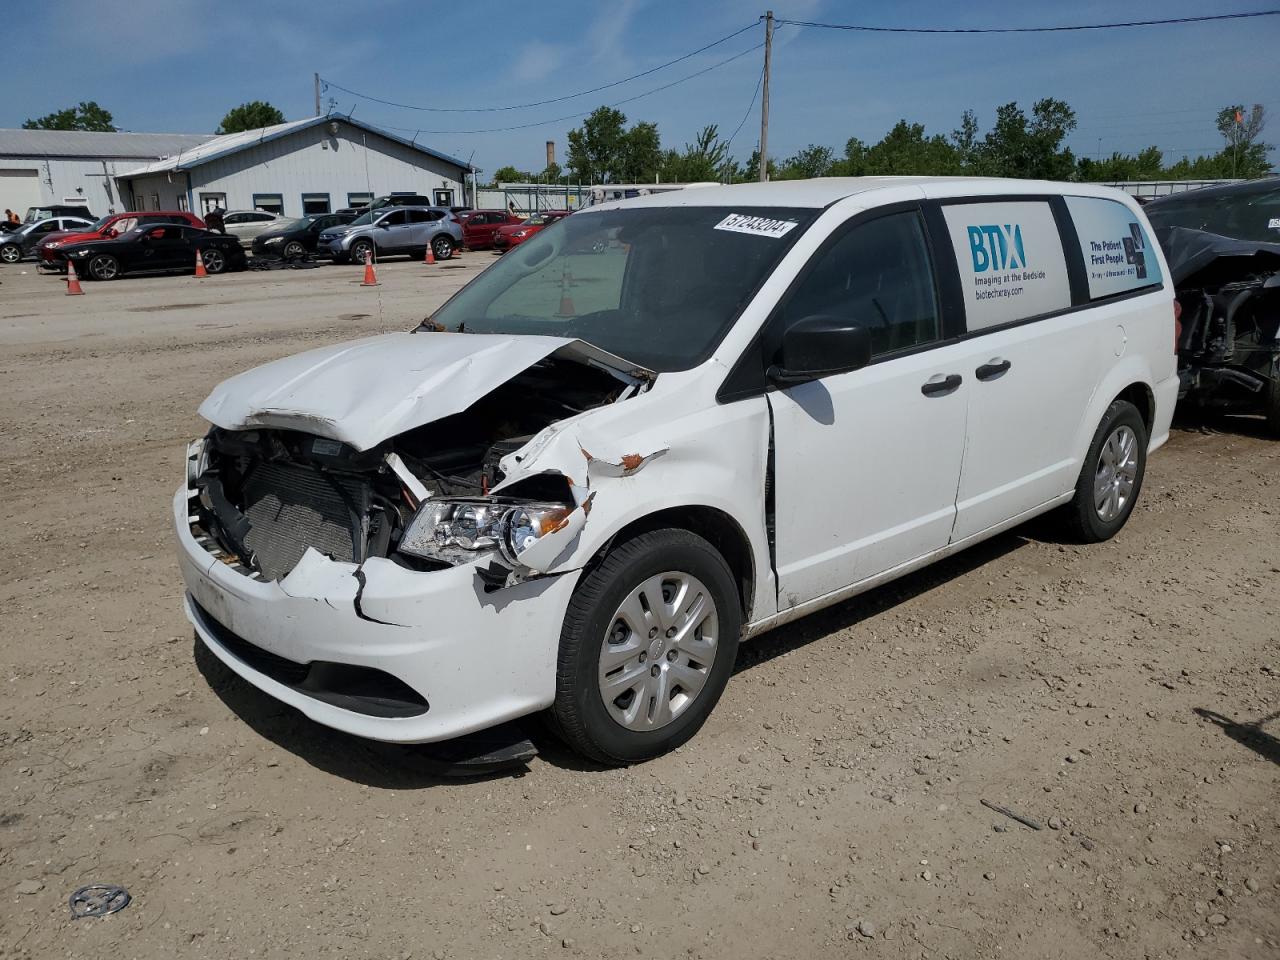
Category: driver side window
<point>878,275</point>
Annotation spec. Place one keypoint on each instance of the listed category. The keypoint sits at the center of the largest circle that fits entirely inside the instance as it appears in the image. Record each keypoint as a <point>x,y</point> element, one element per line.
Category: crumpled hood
<point>367,391</point>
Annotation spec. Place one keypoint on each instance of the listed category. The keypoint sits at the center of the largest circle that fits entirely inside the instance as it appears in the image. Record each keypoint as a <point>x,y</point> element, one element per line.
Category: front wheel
<point>104,267</point>
<point>215,261</point>
<point>442,247</point>
<point>10,253</point>
<point>293,250</point>
<point>648,644</point>
<point>361,249</point>
<point>1111,477</point>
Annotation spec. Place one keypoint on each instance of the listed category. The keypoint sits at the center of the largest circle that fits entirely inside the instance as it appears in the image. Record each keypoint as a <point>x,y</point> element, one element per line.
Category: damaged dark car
<point>1223,248</point>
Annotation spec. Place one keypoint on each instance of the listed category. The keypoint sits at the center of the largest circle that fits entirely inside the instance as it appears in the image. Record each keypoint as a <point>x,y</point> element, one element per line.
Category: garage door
<point>19,189</point>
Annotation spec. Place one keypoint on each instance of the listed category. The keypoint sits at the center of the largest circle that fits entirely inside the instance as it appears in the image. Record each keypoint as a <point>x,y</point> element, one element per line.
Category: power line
<point>541,103</point>
<point>576,116</point>
<point>1056,29</point>
<point>750,106</point>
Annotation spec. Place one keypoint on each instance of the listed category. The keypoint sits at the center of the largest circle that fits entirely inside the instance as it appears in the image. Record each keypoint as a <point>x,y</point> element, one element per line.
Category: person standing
<point>213,220</point>
<point>10,216</point>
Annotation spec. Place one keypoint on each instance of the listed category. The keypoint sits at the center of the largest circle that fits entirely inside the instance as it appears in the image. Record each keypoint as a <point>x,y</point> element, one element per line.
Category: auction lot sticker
<point>1118,256</point>
<point>1011,261</point>
<point>756,226</point>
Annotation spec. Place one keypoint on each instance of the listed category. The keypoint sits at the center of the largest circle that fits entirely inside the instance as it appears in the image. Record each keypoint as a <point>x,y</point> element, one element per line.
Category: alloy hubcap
<point>1117,472</point>
<point>10,254</point>
<point>104,268</point>
<point>212,260</point>
<point>658,651</point>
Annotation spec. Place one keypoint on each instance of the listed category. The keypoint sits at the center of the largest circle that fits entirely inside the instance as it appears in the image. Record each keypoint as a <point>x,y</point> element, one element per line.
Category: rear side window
<point>1011,262</point>
<point>1117,251</point>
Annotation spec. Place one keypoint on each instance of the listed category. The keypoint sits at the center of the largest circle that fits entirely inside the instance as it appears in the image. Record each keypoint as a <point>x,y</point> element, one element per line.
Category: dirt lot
<point>830,808</point>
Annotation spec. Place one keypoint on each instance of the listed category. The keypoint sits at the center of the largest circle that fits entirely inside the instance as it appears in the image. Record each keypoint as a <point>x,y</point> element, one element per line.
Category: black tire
<point>10,253</point>
<point>102,266</point>
<point>293,250</point>
<point>442,246</point>
<point>1272,401</point>
<point>1086,520</point>
<point>579,713</point>
<point>215,261</point>
<point>359,249</point>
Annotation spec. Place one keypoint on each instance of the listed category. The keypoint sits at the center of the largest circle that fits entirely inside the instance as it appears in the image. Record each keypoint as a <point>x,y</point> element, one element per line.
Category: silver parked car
<point>393,230</point>
<point>21,243</point>
<point>245,225</point>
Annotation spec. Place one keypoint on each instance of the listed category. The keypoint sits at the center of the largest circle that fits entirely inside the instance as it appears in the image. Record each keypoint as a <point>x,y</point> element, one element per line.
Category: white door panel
<point>866,468</point>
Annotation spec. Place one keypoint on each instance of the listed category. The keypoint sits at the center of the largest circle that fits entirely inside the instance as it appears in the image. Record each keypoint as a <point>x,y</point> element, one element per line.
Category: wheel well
<point>716,527</point>
<point>1140,395</point>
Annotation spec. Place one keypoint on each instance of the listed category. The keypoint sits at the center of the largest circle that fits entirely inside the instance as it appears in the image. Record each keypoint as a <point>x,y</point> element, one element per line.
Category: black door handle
<point>933,388</point>
<point>991,371</point>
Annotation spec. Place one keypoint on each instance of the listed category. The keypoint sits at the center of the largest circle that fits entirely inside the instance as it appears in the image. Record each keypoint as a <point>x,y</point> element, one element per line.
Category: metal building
<point>316,165</point>
<point>78,166</point>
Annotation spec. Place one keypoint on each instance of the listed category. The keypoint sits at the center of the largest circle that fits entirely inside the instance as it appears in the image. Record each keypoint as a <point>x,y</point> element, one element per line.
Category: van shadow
<point>415,767</point>
<point>873,603</point>
<point>1250,735</point>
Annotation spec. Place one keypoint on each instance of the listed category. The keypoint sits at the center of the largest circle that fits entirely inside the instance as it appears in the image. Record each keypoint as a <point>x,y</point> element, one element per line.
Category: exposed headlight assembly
<point>459,530</point>
<point>270,240</point>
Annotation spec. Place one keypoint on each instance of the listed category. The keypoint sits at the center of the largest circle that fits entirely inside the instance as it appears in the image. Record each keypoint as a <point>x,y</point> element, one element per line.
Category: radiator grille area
<point>294,507</point>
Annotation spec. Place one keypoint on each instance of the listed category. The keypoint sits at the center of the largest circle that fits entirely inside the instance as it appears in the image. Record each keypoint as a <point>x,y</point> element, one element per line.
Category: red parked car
<point>514,234</point>
<point>479,226</point>
<point>108,228</point>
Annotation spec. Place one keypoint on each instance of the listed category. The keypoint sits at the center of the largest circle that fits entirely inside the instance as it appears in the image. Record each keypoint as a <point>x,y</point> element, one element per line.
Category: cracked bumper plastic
<point>478,658</point>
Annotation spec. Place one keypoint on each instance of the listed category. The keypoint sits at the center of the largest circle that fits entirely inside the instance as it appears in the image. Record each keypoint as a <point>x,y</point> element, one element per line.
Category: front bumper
<point>476,658</point>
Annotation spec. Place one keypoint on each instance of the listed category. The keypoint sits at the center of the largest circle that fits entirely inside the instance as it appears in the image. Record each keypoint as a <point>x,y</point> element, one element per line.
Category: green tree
<point>906,151</point>
<point>641,156</point>
<point>751,173</point>
<point>707,158</point>
<point>250,116</point>
<point>86,115</point>
<point>1244,155</point>
<point>812,161</point>
<point>596,148</point>
<point>1029,148</point>
<point>965,140</point>
<point>510,174</point>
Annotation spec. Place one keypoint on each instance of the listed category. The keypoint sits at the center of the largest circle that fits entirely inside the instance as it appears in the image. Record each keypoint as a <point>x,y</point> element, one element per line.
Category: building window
<point>139,202</point>
<point>315,203</point>
<point>270,202</point>
<point>444,198</point>
<point>359,199</point>
<point>182,202</point>
<point>212,201</point>
<point>155,201</point>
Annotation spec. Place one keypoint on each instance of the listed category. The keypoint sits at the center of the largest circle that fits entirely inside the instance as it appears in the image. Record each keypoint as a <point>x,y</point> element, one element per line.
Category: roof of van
<point>823,191</point>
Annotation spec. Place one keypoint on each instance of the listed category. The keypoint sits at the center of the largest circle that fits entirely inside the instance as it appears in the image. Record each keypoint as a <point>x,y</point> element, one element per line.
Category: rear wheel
<point>215,261</point>
<point>104,266</point>
<point>10,253</point>
<point>648,644</point>
<point>442,247</point>
<point>1111,477</point>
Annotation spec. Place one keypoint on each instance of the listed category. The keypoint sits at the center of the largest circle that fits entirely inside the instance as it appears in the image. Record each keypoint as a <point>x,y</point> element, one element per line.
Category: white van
<point>599,466</point>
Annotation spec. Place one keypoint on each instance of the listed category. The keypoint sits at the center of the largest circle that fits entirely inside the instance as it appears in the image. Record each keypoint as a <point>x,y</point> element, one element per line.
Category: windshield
<point>659,286</point>
<point>284,226</point>
<point>101,224</point>
<point>1240,214</point>
<point>539,221</point>
<point>364,219</point>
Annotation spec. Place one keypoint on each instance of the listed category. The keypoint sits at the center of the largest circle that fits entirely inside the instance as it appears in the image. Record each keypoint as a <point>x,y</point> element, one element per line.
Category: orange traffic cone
<point>200,270</point>
<point>370,277</point>
<point>457,254</point>
<point>567,308</point>
<point>431,256</point>
<point>73,282</point>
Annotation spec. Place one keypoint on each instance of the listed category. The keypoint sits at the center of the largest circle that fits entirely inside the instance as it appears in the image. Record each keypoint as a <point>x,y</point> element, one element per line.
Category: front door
<point>164,248</point>
<point>866,463</point>
<point>392,232</point>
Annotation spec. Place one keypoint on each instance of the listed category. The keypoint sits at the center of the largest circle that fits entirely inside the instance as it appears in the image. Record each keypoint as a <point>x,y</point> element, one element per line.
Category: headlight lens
<point>271,240</point>
<point>456,531</point>
<point>520,233</point>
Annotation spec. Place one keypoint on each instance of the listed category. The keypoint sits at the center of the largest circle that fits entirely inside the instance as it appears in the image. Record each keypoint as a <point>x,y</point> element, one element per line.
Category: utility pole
<point>317,77</point>
<point>764,98</point>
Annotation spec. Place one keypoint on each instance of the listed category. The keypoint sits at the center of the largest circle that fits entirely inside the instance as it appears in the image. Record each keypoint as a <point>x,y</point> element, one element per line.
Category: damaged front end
<point>1228,293</point>
<point>444,493</point>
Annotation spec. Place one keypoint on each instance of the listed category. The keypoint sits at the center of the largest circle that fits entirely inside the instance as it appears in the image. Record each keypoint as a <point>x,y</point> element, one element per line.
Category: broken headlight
<point>455,531</point>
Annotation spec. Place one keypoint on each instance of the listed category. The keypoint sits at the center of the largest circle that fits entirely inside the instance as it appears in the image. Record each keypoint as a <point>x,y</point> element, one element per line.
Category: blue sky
<point>177,65</point>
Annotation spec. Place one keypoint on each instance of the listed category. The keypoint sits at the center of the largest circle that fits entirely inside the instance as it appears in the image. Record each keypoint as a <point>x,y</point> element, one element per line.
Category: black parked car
<point>170,246</point>
<point>1223,248</point>
<point>294,239</point>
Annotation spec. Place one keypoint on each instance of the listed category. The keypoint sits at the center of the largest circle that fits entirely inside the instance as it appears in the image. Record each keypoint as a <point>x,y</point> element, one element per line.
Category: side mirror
<point>819,346</point>
<point>383,225</point>
<point>112,233</point>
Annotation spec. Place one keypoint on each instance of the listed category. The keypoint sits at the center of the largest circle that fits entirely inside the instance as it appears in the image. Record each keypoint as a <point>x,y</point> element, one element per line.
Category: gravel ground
<point>1125,697</point>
